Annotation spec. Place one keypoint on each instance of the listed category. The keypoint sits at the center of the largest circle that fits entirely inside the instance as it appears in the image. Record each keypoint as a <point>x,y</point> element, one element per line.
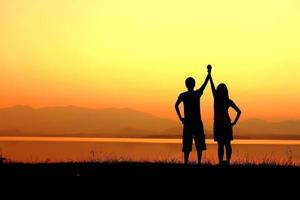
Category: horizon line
<point>130,108</point>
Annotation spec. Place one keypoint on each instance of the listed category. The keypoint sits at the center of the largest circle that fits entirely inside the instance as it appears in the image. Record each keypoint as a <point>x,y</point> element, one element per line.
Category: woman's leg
<point>220,151</point>
<point>228,152</point>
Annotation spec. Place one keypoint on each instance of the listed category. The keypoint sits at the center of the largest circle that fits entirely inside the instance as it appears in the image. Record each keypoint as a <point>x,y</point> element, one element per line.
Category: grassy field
<point>147,169</point>
<point>250,179</point>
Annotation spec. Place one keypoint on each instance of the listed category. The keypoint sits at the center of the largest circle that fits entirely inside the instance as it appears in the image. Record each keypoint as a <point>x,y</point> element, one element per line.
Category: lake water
<point>56,149</point>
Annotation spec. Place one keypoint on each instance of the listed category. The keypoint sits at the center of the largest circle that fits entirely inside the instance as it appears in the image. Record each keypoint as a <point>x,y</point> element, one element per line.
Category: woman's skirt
<point>223,131</point>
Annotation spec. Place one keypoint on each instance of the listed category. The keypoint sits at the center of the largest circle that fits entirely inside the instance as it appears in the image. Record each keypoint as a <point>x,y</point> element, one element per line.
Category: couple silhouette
<point>192,122</point>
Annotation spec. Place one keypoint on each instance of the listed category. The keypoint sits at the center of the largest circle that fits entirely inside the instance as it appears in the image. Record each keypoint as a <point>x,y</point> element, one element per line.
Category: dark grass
<point>170,178</point>
<point>146,169</point>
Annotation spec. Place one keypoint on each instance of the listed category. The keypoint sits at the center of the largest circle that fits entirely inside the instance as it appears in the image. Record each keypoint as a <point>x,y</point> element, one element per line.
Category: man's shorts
<point>190,131</point>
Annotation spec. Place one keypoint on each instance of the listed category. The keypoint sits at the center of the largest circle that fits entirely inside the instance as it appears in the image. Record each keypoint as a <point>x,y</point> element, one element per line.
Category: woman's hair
<point>222,95</point>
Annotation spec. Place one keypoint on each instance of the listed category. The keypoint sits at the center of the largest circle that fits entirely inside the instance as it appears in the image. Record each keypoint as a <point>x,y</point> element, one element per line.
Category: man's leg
<point>186,157</point>
<point>187,143</point>
<point>200,144</point>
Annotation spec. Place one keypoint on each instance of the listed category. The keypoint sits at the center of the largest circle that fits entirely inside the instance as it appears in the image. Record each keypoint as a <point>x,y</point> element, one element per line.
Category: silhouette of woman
<point>222,122</point>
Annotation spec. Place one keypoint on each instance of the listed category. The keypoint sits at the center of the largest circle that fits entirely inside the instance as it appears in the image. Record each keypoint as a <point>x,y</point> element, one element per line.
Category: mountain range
<point>125,122</point>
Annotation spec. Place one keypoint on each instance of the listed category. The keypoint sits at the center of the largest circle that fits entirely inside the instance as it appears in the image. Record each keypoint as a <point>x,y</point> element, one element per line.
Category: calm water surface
<point>56,149</point>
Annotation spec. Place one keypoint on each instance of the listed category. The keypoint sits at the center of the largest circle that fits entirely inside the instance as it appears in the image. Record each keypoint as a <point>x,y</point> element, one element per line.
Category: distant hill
<point>125,122</point>
<point>75,120</point>
<point>257,129</point>
<point>261,127</point>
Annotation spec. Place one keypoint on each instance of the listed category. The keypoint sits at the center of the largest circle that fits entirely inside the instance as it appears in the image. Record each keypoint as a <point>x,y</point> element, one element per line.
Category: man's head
<point>190,83</point>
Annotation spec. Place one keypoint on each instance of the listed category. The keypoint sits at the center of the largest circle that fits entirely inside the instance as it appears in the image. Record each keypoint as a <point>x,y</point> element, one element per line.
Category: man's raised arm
<point>201,89</point>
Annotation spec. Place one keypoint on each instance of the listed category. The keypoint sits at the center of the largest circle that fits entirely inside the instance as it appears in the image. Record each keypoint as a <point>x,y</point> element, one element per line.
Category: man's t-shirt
<point>191,102</point>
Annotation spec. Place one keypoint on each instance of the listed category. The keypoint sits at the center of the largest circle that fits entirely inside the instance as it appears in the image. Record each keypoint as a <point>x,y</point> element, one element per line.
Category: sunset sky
<point>137,54</point>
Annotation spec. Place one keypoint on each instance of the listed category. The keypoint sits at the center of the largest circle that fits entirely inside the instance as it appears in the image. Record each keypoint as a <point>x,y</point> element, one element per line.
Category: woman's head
<point>222,92</point>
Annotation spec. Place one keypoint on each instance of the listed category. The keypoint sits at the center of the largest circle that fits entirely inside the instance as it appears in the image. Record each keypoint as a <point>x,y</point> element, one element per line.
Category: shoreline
<point>139,140</point>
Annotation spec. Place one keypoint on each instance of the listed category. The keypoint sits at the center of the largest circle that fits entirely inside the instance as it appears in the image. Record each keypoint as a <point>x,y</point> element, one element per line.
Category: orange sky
<point>115,53</point>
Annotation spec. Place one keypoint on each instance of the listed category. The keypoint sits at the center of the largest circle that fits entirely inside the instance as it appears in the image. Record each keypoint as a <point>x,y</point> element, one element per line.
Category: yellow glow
<point>133,53</point>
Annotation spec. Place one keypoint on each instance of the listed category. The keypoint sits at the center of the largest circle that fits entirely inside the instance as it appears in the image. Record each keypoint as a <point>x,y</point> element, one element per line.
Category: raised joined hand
<point>209,68</point>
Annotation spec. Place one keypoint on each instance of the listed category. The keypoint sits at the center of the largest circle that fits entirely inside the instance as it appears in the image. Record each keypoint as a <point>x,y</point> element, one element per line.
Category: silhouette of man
<point>192,123</point>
